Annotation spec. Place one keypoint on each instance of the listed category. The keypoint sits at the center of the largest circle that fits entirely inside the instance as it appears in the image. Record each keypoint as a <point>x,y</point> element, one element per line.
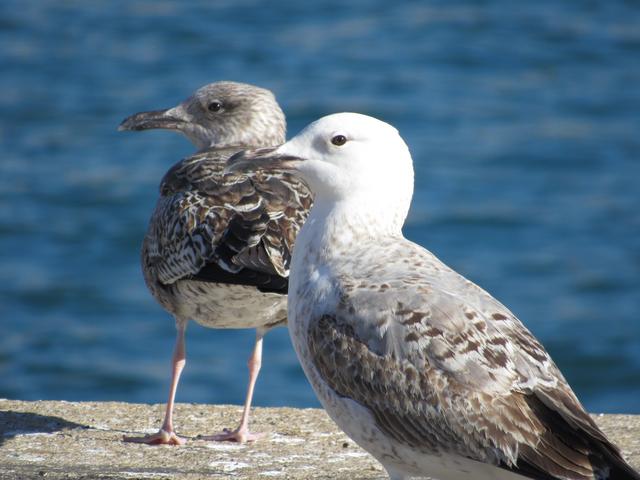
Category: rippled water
<point>523,119</point>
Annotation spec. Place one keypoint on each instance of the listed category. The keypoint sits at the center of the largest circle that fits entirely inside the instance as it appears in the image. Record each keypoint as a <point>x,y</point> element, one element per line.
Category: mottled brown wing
<point>287,202</point>
<point>207,223</point>
<point>200,171</point>
<point>469,381</point>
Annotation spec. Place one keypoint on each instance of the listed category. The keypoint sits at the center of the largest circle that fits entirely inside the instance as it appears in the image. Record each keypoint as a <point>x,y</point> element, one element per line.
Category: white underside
<point>401,461</point>
<point>229,306</point>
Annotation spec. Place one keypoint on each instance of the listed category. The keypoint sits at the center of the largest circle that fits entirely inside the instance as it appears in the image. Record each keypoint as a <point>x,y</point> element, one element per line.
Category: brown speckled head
<point>220,114</point>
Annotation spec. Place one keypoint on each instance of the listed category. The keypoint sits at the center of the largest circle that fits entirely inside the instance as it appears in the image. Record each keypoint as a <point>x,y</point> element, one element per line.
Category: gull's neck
<point>335,225</point>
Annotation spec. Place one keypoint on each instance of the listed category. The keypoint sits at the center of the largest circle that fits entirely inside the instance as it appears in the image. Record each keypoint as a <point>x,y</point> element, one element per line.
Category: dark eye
<point>214,106</point>
<point>339,140</point>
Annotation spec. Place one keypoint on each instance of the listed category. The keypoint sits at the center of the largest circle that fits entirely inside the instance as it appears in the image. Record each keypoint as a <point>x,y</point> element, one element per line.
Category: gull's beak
<point>169,119</point>
<point>271,159</point>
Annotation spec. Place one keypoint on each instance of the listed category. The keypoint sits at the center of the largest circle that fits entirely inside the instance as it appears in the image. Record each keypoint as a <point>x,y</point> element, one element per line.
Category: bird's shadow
<point>24,423</point>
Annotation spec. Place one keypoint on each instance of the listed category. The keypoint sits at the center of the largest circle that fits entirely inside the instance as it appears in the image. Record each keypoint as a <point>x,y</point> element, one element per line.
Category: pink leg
<point>242,434</point>
<point>166,435</point>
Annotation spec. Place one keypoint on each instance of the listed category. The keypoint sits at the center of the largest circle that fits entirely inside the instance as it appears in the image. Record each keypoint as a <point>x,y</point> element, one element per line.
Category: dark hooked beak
<point>262,159</point>
<point>169,119</point>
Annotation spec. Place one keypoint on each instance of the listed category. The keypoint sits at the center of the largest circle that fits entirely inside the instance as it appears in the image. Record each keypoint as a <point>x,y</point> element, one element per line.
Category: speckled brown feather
<point>456,374</point>
<point>204,216</point>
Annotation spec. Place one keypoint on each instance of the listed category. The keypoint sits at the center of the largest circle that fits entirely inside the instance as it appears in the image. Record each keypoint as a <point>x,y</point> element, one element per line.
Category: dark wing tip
<point>571,447</point>
<point>264,282</point>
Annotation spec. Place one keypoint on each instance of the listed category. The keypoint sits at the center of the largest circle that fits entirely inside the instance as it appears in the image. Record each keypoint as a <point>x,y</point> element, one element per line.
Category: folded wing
<point>458,373</point>
<point>225,228</point>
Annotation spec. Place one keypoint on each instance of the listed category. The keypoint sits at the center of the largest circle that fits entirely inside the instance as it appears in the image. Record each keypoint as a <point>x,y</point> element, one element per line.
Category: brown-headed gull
<point>218,246</point>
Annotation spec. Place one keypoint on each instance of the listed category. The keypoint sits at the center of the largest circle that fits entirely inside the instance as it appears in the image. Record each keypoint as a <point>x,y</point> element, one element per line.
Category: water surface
<point>522,118</point>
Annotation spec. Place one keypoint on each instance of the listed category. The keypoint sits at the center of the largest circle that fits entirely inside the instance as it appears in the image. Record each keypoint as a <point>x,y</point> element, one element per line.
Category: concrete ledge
<point>68,440</point>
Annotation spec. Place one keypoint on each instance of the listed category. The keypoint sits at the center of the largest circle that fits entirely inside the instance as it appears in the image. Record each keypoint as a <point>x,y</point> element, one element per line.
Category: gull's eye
<point>339,140</point>
<point>214,107</point>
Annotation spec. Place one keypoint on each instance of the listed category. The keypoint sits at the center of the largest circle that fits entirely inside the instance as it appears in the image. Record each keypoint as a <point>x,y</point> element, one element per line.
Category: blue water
<point>524,123</point>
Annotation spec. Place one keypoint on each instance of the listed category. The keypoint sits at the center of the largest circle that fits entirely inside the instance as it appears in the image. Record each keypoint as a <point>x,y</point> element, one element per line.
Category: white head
<point>346,157</point>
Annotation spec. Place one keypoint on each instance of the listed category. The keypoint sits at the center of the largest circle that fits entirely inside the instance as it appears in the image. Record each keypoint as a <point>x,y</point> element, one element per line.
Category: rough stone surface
<point>68,440</point>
